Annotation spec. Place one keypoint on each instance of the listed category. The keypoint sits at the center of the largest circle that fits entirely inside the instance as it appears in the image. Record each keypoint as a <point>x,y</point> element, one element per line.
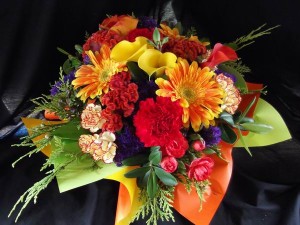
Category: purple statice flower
<point>128,145</point>
<point>67,78</point>
<point>231,76</point>
<point>147,22</point>
<point>147,89</point>
<point>211,135</point>
<point>86,60</point>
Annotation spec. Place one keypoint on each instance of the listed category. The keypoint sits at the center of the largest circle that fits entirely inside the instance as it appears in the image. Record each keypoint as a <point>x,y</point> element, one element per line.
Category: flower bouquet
<point>156,108</point>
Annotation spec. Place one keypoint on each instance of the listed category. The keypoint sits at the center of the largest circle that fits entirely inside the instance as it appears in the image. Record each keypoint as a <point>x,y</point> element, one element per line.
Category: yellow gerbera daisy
<point>197,91</point>
<point>95,78</point>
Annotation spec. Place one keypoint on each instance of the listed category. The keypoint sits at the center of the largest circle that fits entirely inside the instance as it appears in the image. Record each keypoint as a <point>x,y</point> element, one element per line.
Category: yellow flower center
<point>192,93</point>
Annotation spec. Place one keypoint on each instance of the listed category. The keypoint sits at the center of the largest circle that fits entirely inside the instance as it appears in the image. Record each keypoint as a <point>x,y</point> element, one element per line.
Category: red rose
<point>220,53</point>
<point>176,147</point>
<point>201,168</point>
<point>169,164</point>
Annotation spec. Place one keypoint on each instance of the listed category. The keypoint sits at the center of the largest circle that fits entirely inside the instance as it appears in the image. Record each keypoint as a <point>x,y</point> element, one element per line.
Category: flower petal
<point>129,51</point>
<point>153,61</point>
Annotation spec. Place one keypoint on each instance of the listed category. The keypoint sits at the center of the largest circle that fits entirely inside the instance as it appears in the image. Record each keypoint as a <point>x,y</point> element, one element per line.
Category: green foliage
<point>137,74</point>
<point>228,135</point>
<point>157,42</point>
<point>201,188</point>
<point>191,32</point>
<point>33,192</point>
<point>72,63</point>
<point>155,155</point>
<point>136,160</point>
<point>157,208</point>
<point>249,38</point>
<point>65,103</point>
<point>167,178</point>
<point>37,131</point>
<point>238,66</point>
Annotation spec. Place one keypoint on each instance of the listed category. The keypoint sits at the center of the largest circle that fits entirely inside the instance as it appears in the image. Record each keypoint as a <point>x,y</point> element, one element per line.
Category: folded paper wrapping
<point>128,203</point>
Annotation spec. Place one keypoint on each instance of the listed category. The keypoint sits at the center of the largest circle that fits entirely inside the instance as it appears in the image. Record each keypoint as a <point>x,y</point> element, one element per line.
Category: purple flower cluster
<point>67,78</point>
<point>128,145</point>
<point>211,135</point>
<point>147,89</point>
<point>147,22</point>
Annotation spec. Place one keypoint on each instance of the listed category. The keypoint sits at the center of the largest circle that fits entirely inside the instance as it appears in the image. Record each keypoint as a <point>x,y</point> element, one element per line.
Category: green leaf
<point>139,172</point>
<point>164,40</point>
<point>75,62</point>
<point>227,117</point>
<point>181,167</point>
<point>240,81</point>
<point>242,116</point>
<point>155,157</point>
<point>155,148</point>
<point>156,35</point>
<point>194,137</point>
<point>67,66</point>
<point>137,74</point>
<point>228,134</point>
<point>152,186</point>
<point>243,141</point>
<point>167,178</point>
<point>142,181</point>
<point>247,120</point>
<point>257,127</point>
<point>78,49</point>
<point>209,151</point>
<point>136,160</point>
<point>266,114</point>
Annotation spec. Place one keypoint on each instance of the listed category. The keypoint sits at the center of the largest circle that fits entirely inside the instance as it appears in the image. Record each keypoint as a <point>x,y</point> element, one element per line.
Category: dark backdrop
<point>264,189</point>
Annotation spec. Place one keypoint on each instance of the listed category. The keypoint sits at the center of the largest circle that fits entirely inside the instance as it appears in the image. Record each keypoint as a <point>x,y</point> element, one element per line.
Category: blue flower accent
<point>128,145</point>
<point>211,135</point>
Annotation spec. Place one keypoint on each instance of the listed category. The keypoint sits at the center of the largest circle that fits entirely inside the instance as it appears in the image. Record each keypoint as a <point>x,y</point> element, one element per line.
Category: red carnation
<point>158,122</point>
<point>200,168</point>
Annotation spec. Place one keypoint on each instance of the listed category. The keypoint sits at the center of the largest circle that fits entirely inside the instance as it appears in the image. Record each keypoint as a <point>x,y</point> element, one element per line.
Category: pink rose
<point>169,164</point>
<point>91,118</point>
<point>199,145</point>
<point>176,147</point>
<point>200,168</point>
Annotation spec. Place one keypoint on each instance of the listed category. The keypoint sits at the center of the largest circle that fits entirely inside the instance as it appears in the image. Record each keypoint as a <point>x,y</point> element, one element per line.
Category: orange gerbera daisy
<point>95,78</point>
<point>199,94</point>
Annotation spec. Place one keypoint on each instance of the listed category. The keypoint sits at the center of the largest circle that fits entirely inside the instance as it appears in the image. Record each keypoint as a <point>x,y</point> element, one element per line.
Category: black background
<point>264,189</point>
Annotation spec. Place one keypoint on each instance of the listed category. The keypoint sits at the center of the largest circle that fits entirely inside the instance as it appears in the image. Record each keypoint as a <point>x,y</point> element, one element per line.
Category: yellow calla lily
<point>152,61</point>
<point>126,51</point>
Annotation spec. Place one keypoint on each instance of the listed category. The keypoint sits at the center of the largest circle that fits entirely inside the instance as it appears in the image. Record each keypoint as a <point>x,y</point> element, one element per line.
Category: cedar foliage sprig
<point>33,192</point>
<point>159,207</point>
<point>37,131</point>
<point>248,39</point>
